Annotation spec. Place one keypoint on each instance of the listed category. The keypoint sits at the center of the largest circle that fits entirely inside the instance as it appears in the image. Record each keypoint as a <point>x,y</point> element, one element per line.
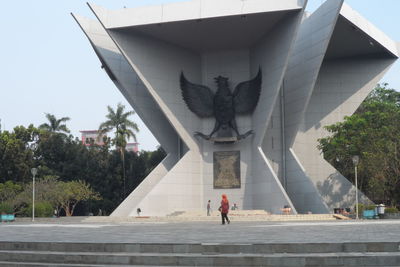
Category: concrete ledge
<point>192,216</point>
<point>201,248</point>
<point>242,259</point>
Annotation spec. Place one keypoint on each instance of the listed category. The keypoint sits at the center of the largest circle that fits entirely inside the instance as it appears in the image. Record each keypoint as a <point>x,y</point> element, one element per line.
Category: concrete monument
<point>305,70</point>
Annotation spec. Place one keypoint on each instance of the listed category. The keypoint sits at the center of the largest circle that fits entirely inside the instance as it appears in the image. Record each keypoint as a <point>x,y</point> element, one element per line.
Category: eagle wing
<point>246,95</point>
<point>198,98</point>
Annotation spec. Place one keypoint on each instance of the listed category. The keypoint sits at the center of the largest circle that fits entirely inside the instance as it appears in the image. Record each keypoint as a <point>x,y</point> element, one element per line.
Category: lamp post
<point>356,160</point>
<point>34,172</point>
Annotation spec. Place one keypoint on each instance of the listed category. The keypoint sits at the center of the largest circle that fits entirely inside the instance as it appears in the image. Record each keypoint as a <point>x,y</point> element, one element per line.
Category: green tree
<point>8,193</point>
<point>59,194</point>
<point>118,120</point>
<point>152,158</point>
<point>66,157</point>
<point>373,133</point>
<point>46,191</point>
<point>55,125</point>
<point>61,157</point>
<point>17,150</point>
<point>71,193</point>
<point>9,190</point>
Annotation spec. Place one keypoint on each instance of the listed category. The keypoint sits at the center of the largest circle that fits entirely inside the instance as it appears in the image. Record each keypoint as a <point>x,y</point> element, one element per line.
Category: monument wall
<point>315,69</point>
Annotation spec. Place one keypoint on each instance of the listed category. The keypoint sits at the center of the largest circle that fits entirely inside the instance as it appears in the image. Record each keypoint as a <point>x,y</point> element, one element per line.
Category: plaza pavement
<point>203,232</point>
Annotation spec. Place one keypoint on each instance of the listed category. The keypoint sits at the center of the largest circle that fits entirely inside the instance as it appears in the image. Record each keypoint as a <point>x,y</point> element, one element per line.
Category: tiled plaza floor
<point>204,232</point>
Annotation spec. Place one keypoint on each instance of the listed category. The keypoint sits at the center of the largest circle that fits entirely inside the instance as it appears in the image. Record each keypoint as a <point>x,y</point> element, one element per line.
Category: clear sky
<point>48,66</point>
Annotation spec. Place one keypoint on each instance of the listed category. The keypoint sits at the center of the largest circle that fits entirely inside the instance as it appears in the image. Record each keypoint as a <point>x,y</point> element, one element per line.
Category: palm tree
<point>55,125</point>
<point>124,129</point>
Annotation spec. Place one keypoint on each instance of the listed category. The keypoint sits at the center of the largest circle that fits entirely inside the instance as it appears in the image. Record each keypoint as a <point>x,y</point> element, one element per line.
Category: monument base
<point>224,140</point>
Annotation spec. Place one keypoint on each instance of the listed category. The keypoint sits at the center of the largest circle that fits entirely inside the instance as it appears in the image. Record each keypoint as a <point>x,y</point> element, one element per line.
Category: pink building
<point>90,137</point>
<point>132,147</point>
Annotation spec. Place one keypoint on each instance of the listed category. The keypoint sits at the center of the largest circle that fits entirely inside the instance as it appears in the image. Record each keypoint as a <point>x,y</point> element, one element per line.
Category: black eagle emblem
<point>223,104</point>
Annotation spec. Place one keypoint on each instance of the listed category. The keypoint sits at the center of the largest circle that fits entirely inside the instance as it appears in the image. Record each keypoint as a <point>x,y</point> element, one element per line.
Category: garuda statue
<point>223,105</point>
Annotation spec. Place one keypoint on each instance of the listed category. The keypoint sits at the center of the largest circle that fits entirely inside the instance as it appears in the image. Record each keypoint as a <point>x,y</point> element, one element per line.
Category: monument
<point>237,93</point>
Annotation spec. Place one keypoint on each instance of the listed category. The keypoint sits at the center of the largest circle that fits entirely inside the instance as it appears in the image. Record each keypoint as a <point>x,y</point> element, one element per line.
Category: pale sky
<point>48,65</point>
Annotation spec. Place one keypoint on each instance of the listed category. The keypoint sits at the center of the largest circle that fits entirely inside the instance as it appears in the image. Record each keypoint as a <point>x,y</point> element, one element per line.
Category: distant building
<point>91,138</point>
<point>132,147</point>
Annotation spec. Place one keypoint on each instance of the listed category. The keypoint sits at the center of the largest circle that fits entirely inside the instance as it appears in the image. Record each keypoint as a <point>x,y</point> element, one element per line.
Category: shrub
<point>6,208</point>
<point>391,210</point>
<point>42,209</point>
<point>369,207</point>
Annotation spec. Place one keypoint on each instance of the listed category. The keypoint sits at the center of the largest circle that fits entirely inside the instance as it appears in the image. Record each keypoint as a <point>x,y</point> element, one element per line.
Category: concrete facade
<point>316,69</point>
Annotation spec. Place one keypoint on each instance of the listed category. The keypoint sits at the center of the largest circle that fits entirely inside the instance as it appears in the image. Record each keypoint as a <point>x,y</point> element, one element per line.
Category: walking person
<point>209,208</point>
<point>224,209</point>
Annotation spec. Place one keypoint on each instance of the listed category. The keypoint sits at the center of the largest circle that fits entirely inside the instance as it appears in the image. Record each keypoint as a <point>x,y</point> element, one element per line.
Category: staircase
<point>236,215</point>
<point>128,254</point>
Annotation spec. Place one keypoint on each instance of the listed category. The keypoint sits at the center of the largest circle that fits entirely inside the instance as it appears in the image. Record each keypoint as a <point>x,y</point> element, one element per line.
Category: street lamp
<point>34,172</point>
<point>356,160</point>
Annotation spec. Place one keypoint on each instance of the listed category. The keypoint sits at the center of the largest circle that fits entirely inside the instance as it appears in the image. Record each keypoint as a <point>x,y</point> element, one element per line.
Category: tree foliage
<point>61,158</point>
<point>46,190</point>
<point>119,121</point>
<point>8,194</point>
<point>71,193</point>
<point>9,190</point>
<point>55,125</point>
<point>17,153</point>
<point>59,194</point>
<point>373,133</point>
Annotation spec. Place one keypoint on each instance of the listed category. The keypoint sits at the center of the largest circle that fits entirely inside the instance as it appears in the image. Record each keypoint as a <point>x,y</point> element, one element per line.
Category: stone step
<point>202,213</point>
<point>205,248</point>
<point>38,264</point>
<point>195,259</point>
<point>240,215</point>
<point>235,216</point>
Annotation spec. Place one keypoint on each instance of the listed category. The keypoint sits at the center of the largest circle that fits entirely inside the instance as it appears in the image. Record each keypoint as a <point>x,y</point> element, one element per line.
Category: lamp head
<point>355,159</point>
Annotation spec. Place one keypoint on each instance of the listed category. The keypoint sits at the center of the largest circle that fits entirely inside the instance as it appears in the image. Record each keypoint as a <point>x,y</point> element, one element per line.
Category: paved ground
<point>204,232</point>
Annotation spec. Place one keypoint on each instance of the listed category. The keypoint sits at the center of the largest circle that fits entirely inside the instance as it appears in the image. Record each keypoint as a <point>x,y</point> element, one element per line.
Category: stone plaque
<point>226,169</point>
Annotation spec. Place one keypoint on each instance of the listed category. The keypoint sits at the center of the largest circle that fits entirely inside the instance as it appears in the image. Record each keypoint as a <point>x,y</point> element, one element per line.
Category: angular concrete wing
<point>338,59</point>
<point>133,89</point>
